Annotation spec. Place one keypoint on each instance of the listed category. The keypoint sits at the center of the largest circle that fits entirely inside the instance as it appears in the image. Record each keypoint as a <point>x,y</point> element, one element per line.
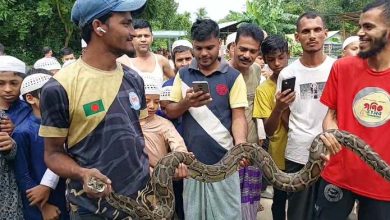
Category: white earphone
<point>101,29</point>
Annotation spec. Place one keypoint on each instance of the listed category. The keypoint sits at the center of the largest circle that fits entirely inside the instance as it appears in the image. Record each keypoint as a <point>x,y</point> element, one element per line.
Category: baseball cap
<point>185,43</point>
<point>13,64</point>
<point>33,82</point>
<point>350,40</point>
<point>84,11</point>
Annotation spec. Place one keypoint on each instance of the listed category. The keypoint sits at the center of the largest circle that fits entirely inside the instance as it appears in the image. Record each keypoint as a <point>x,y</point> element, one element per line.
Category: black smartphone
<point>288,84</point>
<point>201,86</point>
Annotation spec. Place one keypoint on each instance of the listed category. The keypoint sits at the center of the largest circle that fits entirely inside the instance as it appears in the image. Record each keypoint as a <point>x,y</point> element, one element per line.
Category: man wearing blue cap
<point>92,106</point>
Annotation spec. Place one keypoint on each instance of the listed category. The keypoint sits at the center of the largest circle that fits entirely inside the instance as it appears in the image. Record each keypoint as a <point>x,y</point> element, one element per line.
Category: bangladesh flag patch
<point>93,108</point>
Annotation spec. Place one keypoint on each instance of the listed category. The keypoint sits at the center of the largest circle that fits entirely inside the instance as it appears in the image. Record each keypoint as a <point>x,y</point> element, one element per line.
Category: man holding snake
<point>357,95</point>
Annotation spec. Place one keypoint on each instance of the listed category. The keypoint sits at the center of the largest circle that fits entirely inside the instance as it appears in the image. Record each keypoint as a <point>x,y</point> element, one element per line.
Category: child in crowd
<point>161,136</point>
<point>276,55</point>
<point>39,201</point>
<point>12,72</point>
<point>350,46</point>
<point>182,57</point>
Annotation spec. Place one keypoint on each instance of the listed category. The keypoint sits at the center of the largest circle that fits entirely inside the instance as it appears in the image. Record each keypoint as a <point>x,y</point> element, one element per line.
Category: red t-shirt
<point>361,99</point>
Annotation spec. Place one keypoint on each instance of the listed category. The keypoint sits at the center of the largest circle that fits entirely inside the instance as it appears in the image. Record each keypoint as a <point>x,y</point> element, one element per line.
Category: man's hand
<point>6,125</point>
<point>6,143</point>
<point>50,212</point>
<point>197,99</point>
<point>38,195</point>
<point>331,144</point>
<point>244,163</point>
<point>181,172</point>
<point>284,99</point>
<point>87,175</point>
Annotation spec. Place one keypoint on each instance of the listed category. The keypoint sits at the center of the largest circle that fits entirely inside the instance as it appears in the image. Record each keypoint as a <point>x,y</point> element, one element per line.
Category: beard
<point>378,45</point>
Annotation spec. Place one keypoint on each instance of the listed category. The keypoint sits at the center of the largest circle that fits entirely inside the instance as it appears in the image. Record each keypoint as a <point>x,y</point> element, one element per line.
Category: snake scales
<point>156,200</point>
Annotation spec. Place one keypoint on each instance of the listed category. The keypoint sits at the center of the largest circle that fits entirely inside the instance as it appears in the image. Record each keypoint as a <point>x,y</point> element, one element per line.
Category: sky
<point>216,9</point>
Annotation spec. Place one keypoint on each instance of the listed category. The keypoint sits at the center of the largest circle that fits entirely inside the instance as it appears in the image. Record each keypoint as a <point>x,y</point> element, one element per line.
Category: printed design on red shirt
<point>371,107</point>
<point>222,89</point>
<point>311,90</point>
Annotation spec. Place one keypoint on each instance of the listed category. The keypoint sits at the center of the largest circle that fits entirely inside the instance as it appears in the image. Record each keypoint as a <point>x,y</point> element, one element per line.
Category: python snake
<point>156,200</point>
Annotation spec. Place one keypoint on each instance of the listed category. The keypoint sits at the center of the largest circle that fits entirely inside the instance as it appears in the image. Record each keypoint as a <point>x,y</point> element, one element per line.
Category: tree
<point>201,13</point>
<point>29,25</point>
<point>268,14</point>
<point>162,14</point>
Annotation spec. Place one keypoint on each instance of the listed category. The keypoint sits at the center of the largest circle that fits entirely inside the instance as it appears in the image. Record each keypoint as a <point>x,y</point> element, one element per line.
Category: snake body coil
<point>156,200</point>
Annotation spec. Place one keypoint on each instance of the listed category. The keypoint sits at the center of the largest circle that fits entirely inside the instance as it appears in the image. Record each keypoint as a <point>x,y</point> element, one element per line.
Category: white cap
<point>350,40</point>
<point>265,34</point>
<point>166,93</point>
<point>10,63</point>
<point>185,43</point>
<point>231,38</point>
<point>151,87</point>
<point>47,64</point>
<point>83,44</point>
<point>33,82</point>
<point>68,62</point>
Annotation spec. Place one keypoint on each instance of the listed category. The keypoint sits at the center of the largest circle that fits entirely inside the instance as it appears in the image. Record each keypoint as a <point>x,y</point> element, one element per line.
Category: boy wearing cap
<point>12,72</point>
<point>161,136</point>
<point>351,46</point>
<point>30,166</point>
<point>93,106</point>
<point>51,64</point>
<point>182,57</point>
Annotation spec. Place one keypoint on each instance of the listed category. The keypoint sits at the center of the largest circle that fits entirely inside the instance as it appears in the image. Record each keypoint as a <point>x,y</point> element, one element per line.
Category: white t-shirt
<point>307,112</point>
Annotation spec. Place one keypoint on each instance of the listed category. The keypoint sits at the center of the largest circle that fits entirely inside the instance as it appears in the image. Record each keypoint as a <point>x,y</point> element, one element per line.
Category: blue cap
<point>84,11</point>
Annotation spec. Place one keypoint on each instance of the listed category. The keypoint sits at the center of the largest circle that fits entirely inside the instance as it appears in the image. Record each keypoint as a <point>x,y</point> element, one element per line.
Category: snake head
<point>96,185</point>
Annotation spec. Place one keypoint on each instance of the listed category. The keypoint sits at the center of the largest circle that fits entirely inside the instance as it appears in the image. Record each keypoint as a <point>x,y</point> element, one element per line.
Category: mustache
<point>244,59</point>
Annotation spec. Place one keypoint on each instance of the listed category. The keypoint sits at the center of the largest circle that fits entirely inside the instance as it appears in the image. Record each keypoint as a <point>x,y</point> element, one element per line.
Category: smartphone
<point>288,84</point>
<point>201,86</point>
<point>3,115</point>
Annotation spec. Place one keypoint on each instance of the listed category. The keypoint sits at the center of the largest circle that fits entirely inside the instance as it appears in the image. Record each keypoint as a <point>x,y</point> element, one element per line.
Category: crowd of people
<point>113,113</point>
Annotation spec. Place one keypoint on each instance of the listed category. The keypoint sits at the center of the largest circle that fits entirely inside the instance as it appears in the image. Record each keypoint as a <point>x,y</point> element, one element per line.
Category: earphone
<point>101,29</point>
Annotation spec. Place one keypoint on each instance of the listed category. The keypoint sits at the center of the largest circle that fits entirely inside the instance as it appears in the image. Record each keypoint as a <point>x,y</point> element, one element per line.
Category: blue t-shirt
<point>30,167</point>
<point>18,112</point>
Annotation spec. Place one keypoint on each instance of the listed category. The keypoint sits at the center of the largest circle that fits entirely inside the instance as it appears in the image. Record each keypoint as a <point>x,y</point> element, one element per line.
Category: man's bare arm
<point>283,100</point>
<point>239,125</point>
<point>167,69</point>
<point>330,120</point>
<point>54,152</point>
<point>60,163</point>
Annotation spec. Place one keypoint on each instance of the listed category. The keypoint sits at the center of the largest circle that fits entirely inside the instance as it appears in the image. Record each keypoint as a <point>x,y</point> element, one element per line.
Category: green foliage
<point>35,24</point>
<point>201,13</point>
<point>29,25</point>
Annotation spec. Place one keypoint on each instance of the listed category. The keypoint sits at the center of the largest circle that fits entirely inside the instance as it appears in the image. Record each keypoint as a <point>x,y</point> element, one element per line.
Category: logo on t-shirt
<point>93,108</point>
<point>222,89</point>
<point>312,90</point>
<point>371,107</point>
<point>134,101</point>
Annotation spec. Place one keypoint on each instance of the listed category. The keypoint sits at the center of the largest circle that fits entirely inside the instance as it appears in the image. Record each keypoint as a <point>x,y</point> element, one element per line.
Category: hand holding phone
<point>201,86</point>
<point>195,98</point>
<point>288,84</point>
